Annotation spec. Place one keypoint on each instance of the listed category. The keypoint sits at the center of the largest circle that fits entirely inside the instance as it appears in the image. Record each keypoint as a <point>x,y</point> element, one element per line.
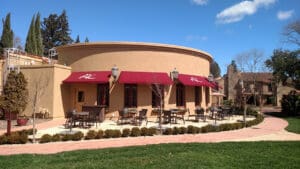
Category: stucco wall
<point>134,57</point>
<point>45,81</point>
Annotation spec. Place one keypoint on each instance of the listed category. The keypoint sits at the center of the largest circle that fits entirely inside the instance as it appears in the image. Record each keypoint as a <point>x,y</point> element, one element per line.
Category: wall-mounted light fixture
<point>115,72</point>
<point>174,74</point>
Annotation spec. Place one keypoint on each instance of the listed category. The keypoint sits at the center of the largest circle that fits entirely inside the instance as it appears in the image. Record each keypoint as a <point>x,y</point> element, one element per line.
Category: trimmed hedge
<point>21,137</point>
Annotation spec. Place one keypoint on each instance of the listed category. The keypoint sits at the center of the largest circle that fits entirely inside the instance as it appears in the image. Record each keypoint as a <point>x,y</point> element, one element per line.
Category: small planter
<point>22,121</point>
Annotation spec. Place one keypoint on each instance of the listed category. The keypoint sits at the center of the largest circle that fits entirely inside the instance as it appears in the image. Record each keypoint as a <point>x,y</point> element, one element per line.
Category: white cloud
<point>200,2</point>
<point>283,15</point>
<point>195,38</point>
<point>238,11</point>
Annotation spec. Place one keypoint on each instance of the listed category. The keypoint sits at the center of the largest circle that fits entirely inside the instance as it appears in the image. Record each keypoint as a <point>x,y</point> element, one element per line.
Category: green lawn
<point>294,124</point>
<point>169,156</point>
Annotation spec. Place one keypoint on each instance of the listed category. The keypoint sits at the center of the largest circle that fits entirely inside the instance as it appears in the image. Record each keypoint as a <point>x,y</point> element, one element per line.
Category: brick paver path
<point>271,128</point>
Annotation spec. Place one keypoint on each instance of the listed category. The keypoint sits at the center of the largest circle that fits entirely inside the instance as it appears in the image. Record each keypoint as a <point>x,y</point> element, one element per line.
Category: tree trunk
<point>8,131</point>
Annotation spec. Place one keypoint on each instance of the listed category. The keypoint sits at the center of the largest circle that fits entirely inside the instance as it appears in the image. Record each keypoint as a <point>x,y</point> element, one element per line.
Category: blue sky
<point>223,28</point>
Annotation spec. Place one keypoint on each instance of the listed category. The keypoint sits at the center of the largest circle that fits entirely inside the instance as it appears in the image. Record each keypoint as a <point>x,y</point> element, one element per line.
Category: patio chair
<point>168,117</point>
<point>180,114</point>
<point>69,120</point>
<point>141,116</point>
<point>124,116</point>
<point>200,114</point>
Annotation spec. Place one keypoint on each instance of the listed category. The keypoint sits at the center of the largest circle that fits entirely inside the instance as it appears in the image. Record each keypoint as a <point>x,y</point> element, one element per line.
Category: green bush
<point>67,137</point>
<point>3,139</point>
<point>225,127</point>
<point>290,104</point>
<point>191,129</point>
<point>108,133</point>
<point>168,131</point>
<point>56,137</point>
<point>126,132</point>
<point>91,134</point>
<point>77,136</point>
<point>144,131</point>
<point>151,131</point>
<point>135,132</point>
<point>176,130</point>
<point>17,138</point>
<point>100,134</point>
<point>46,138</point>
<point>116,133</point>
<point>182,130</point>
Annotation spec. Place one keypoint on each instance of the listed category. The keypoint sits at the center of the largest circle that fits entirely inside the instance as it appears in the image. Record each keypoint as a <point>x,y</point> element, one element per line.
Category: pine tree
<point>31,46</point>
<point>77,39</point>
<point>86,40</point>
<point>7,37</point>
<point>38,36</point>
<point>15,95</point>
<point>55,31</point>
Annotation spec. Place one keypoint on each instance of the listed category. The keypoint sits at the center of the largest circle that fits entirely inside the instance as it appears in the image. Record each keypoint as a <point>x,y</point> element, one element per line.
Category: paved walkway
<point>271,128</point>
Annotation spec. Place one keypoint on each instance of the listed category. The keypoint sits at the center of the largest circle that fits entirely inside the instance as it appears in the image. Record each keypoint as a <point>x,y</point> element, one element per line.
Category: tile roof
<point>259,76</point>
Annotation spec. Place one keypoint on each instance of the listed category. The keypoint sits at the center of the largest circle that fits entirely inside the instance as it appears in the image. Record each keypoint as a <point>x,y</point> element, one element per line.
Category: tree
<point>15,95</point>
<point>86,40</point>
<point>251,61</point>
<point>292,32</point>
<point>215,69</point>
<point>31,45</point>
<point>234,66</point>
<point>285,65</point>
<point>7,34</point>
<point>38,36</point>
<point>77,39</point>
<point>55,31</point>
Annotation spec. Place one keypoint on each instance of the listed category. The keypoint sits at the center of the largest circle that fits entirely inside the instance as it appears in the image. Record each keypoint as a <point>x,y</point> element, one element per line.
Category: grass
<point>169,156</point>
<point>294,121</point>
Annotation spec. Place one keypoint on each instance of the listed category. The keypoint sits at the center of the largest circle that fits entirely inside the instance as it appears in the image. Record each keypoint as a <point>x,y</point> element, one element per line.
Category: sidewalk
<point>271,128</point>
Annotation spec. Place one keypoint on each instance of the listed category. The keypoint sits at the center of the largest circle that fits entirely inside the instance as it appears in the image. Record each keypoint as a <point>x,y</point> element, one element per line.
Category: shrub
<point>176,130</point>
<point>168,131</point>
<point>108,133</point>
<point>67,137</point>
<point>100,134</point>
<point>144,131</point>
<point>151,131</point>
<point>182,130</point>
<point>56,137</point>
<point>46,138</point>
<point>17,138</point>
<point>135,132</point>
<point>291,104</point>
<point>116,133</point>
<point>225,127</point>
<point>126,132</point>
<point>77,136</point>
<point>191,129</point>
<point>3,139</point>
<point>91,134</point>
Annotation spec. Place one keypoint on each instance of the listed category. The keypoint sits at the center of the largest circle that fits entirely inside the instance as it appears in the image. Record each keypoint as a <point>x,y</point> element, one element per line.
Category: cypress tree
<point>30,46</point>
<point>86,40</point>
<point>7,37</point>
<point>77,39</point>
<point>38,36</point>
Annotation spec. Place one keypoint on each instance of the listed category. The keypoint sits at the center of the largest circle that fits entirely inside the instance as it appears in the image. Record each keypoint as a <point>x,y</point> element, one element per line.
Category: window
<point>103,94</point>
<point>130,95</point>
<point>157,91</point>
<point>80,96</point>
<point>270,87</point>
<point>180,95</point>
<point>197,96</point>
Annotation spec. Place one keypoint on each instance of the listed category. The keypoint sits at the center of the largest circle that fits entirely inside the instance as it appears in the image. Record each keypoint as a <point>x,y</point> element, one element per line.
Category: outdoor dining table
<point>82,118</point>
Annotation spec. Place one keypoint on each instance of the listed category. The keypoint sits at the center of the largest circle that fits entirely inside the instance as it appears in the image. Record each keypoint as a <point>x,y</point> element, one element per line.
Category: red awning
<point>144,78</point>
<point>88,77</point>
<point>192,80</point>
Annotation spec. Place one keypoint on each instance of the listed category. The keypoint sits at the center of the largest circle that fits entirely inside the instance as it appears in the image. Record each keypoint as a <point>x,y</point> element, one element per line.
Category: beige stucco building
<point>146,72</point>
